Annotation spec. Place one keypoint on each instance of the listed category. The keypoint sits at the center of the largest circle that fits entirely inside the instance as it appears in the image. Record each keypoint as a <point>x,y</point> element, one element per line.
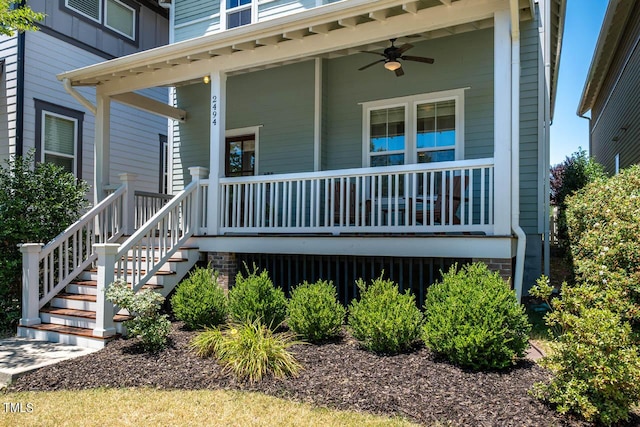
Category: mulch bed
<point>337,375</point>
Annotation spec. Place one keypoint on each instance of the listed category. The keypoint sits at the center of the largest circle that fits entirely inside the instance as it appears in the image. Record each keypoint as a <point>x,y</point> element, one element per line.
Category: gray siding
<point>134,134</point>
<point>615,114</point>
<point>153,29</point>
<point>191,10</point>
<point>454,56</point>
<point>8,81</point>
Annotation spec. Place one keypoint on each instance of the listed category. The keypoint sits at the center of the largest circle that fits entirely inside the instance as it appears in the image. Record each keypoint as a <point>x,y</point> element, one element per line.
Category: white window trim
<point>411,103</point>
<point>255,130</point>
<point>43,133</point>
<point>133,36</point>
<point>78,11</point>
<point>224,12</point>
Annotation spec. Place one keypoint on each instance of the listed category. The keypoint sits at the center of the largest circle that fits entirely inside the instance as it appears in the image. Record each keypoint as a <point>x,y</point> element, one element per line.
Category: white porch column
<point>129,206</point>
<point>198,173</point>
<point>30,283</point>
<point>502,123</point>
<point>106,269</point>
<point>216,148</point>
<point>102,148</point>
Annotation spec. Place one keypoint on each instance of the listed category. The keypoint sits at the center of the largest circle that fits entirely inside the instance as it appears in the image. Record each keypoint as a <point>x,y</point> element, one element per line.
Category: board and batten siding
<point>615,119</point>
<point>153,29</point>
<point>8,100</point>
<point>135,145</point>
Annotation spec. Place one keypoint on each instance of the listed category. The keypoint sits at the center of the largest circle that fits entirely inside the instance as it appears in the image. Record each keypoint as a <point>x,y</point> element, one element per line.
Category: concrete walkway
<point>21,355</point>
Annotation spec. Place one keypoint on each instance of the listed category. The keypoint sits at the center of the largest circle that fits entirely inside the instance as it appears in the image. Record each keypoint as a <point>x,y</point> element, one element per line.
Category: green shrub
<point>255,298</point>
<point>249,350</point>
<point>199,301</point>
<point>314,311</point>
<point>383,320</point>
<point>36,204</point>
<point>474,320</point>
<point>147,324</point>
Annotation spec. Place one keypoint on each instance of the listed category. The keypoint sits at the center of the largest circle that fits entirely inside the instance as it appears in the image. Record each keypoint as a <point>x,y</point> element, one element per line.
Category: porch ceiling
<point>329,31</point>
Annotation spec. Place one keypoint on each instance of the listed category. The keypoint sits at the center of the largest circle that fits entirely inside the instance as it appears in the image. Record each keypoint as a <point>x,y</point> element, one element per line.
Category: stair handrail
<point>74,246</point>
<point>156,241</point>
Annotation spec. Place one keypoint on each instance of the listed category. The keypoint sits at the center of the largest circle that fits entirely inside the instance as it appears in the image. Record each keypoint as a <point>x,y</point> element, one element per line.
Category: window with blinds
<point>120,18</point>
<point>89,8</point>
<point>59,140</point>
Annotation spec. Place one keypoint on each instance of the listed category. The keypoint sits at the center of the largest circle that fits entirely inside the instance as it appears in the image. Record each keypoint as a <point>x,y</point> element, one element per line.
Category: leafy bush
<point>255,298</point>
<point>147,323</point>
<point>314,311</point>
<point>36,204</point>
<point>596,361</point>
<point>383,320</point>
<point>566,179</point>
<point>249,350</point>
<point>199,301</point>
<point>474,320</point>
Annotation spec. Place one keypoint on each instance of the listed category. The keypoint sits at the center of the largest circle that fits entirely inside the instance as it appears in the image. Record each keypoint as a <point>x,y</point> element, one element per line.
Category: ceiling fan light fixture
<point>392,65</point>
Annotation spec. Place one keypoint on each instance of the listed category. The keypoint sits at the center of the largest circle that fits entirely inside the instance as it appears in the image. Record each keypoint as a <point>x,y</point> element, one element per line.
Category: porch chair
<point>438,213</point>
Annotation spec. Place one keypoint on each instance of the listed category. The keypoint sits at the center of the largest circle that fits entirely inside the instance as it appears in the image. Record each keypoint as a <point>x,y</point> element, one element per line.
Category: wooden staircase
<point>70,317</point>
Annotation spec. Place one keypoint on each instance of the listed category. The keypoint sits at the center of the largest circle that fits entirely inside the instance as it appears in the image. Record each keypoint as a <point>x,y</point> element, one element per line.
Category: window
<point>239,12</point>
<point>117,16</point>
<point>164,164</point>
<point>414,129</point>
<point>240,155</point>
<point>59,136</point>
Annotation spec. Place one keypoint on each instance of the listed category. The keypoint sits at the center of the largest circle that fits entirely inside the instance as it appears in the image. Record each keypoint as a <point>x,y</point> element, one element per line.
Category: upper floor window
<point>119,16</point>
<point>239,12</point>
<point>414,129</point>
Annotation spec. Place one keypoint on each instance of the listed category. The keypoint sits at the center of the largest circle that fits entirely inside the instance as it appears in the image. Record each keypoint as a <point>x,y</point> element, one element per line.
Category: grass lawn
<point>145,406</point>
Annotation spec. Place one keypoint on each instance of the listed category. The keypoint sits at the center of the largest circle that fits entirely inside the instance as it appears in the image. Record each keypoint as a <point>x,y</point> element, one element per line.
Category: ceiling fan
<point>392,56</point>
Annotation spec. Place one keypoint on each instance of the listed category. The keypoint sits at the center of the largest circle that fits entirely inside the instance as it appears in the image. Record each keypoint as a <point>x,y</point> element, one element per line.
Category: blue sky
<point>582,26</point>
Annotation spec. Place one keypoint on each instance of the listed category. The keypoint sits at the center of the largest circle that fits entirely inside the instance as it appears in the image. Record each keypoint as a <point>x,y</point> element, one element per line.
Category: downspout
<point>515,149</point>
<point>20,94</point>
<point>546,84</point>
<point>78,96</point>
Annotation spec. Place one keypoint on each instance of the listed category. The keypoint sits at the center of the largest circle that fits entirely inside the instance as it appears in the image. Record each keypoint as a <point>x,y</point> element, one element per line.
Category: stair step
<point>94,283</point>
<point>85,314</point>
<point>77,297</point>
<point>68,330</point>
<point>142,272</point>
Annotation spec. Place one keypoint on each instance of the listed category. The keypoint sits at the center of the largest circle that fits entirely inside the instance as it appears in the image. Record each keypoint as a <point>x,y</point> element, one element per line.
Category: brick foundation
<point>225,264</point>
<point>504,266</point>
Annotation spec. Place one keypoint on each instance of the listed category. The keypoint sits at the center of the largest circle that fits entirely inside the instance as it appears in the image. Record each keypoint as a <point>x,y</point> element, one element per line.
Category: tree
<point>15,15</point>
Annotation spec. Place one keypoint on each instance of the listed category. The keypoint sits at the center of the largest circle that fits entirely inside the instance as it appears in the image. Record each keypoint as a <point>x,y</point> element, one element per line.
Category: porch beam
<point>379,15</point>
<point>320,29</point>
<point>316,44</point>
<point>151,106</point>
<point>411,7</point>
<point>446,2</point>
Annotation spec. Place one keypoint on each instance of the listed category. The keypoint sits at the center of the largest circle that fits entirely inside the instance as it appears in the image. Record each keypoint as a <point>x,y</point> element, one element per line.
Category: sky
<point>582,27</point>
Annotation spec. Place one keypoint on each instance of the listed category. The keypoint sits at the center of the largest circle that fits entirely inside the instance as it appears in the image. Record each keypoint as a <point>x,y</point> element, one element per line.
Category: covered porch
<point>334,201</point>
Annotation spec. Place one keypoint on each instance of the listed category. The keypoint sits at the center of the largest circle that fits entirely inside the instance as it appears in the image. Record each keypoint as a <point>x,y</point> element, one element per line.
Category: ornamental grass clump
<point>199,301</point>
<point>147,324</point>
<point>473,319</point>
<point>384,320</point>
<point>249,350</point>
<point>255,298</point>
<point>314,312</point>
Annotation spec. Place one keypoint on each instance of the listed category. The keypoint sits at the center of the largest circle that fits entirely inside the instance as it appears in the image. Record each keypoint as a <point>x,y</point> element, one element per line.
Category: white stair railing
<point>143,254</point>
<point>48,269</point>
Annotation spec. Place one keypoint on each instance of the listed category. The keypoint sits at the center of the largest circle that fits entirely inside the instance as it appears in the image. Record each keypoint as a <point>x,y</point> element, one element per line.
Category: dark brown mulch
<point>337,375</point>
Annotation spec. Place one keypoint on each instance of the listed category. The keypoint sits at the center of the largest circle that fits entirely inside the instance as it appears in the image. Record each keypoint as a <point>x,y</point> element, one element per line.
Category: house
<point>37,113</point>
<point>612,89</point>
<point>321,139</point>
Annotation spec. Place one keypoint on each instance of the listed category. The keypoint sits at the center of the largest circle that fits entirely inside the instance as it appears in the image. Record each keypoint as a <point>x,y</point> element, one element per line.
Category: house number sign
<point>214,110</point>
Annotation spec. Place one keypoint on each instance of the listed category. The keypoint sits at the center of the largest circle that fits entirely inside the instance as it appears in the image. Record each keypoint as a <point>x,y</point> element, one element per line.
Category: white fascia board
<point>150,105</point>
<point>345,38</point>
<point>405,246</point>
<point>425,20</point>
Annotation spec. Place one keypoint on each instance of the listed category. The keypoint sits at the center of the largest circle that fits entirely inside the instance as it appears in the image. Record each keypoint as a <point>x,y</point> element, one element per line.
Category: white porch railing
<point>147,205</point>
<point>435,197</point>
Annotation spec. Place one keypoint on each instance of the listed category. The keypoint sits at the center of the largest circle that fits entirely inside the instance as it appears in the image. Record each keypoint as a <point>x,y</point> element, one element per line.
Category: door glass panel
<point>436,124</point>
<point>241,156</point>
<point>387,131</point>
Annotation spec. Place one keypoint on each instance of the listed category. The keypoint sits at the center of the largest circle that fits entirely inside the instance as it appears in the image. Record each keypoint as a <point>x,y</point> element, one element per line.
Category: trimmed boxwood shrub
<point>314,311</point>
<point>384,320</point>
<point>255,298</point>
<point>474,320</point>
<point>199,301</point>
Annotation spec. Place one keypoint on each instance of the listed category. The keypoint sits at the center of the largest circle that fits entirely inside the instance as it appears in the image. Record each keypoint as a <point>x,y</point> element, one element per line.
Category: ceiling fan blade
<point>405,47</point>
<point>370,65</point>
<point>418,59</point>
<point>399,72</point>
<point>374,53</point>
